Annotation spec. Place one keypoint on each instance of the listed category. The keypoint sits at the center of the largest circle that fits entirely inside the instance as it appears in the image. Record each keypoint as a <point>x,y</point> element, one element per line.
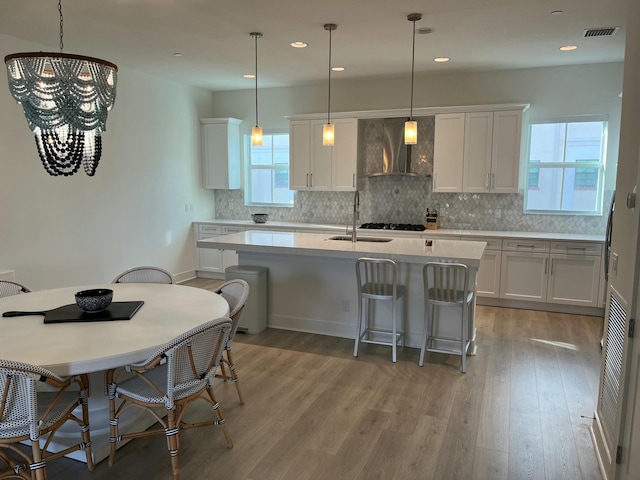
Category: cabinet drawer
<point>525,245</point>
<point>211,230</point>
<point>226,230</point>
<point>576,248</point>
<point>492,242</point>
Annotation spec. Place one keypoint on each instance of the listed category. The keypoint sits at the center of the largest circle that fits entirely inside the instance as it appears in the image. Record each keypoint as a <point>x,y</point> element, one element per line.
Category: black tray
<point>73,313</point>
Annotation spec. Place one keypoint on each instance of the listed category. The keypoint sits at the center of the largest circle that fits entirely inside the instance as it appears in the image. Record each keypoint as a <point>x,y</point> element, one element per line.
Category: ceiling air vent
<point>600,32</point>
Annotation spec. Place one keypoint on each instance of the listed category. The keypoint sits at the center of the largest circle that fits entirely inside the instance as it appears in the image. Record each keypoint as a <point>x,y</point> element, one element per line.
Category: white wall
<point>59,231</point>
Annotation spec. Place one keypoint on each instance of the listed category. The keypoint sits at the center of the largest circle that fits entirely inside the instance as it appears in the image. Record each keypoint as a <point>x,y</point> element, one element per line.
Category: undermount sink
<point>347,238</point>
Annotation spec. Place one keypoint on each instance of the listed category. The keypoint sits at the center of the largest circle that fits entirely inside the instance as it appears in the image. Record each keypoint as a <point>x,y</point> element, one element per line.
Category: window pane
<point>261,187</point>
<point>558,190</point>
<point>547,142</point>
<point>584,142</point>
<point>268,171</point>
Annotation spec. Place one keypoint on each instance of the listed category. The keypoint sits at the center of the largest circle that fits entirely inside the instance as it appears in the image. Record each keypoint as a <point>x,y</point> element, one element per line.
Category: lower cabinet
<point>488,280</point>
<point>213,260</point>
<point>561,272</point>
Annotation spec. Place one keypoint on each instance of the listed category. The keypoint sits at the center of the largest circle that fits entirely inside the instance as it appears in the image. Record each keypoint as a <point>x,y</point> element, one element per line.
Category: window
<point>565,166</point>
<point>267,171</point>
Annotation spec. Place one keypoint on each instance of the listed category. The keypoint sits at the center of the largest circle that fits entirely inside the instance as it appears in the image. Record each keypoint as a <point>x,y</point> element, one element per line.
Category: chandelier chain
<point>61,24</point>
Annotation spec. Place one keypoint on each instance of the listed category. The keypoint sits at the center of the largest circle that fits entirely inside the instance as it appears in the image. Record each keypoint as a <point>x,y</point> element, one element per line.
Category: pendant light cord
<point>256,39</point>
<point>61,24</point>
<point>413,61</point>
<point>329,96</point>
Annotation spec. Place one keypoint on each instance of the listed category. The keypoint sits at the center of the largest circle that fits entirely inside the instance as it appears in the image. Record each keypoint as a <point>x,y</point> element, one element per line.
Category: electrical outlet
<point>498,213</point>
<point>614,263</point>
<point>346,305</point>
<point>186,207</point>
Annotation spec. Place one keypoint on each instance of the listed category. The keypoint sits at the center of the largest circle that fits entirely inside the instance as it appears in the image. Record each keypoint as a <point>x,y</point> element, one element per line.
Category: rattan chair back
<point>26,414</point>
<point>9,288</point>
<point>144,275</point>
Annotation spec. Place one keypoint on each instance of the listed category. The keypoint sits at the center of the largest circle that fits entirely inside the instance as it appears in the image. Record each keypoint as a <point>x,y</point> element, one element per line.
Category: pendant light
<point>411,126</point>
<point>65,99</point>
<point>327,129</point>
<point>256,132</point>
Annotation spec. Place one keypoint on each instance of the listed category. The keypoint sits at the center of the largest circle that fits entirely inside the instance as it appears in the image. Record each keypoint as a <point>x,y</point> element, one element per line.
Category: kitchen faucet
<point>356,215</point>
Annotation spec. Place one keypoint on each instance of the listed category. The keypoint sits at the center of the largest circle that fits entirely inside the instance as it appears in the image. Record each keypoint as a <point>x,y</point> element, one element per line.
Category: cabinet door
<point>320,171</point>
<point>344,162</point>
<point>299,154</point>
<point>478,134</point>
<point>505,154</point>
<point>209,259</point>
<point>448,152</point>
<point>221,153</point>
<point>523,276</point>
<point>489,274</point>
<point>574,279</point>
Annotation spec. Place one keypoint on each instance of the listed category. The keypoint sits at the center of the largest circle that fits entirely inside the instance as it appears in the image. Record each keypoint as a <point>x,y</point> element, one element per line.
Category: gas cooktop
<point>414,227</point>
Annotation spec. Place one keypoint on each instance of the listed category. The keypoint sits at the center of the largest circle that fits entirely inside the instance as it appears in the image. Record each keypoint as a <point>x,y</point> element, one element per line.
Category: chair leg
<point>85,432</point>
<point>234,375</point>
<point>39,472</point>
<point>358,327</point>
<point>394,331</point>
<point>219,418</point>
<point>426,334</point>
<point>113,421</point>
<point>463,342</point>
<point>172,442</point>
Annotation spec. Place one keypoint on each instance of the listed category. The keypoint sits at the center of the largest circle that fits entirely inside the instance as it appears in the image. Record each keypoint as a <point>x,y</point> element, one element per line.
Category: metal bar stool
<point>446,284</point>
<point>378,280</point>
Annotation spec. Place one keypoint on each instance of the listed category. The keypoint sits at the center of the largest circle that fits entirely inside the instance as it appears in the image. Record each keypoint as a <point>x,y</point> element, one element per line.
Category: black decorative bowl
<point>260,217</point>
<point>94,300</point>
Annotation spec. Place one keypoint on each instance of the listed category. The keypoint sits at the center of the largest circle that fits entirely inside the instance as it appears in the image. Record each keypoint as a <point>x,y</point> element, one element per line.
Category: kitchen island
<point>312,284</point>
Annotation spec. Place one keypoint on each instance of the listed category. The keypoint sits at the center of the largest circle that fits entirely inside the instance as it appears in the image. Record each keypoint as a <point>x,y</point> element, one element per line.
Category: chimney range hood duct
<point>396,156</point>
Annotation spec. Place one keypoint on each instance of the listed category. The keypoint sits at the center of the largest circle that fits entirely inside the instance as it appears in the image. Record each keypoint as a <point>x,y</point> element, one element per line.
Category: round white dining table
<point>92,347</point>
<point>85,347</point>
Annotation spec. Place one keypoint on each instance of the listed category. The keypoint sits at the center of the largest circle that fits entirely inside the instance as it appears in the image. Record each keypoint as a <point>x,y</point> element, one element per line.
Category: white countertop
<point>405,250</point>
<point>425,233</point>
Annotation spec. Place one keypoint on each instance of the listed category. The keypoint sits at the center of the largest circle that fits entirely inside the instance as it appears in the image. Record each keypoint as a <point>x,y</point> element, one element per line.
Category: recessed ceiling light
<point>249,75</point>
<point>299,44</point>
<point>177,54</point>
<point>338,69</point>
<point>568,48</point>
<point>557,12</point>
<point>441,59</point>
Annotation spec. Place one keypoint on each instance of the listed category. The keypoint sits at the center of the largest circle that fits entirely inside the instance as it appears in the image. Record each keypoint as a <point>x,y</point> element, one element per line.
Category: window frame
<point>600,165</point>
<point>248,168</point>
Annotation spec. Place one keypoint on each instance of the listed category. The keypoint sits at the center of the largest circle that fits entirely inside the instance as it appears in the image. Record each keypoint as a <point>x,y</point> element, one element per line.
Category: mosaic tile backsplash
<point>405,199</point>
<point>396,199</point>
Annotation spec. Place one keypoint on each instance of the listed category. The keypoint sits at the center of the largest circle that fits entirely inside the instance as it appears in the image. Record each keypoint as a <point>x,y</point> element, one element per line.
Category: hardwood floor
<point>314,412</point>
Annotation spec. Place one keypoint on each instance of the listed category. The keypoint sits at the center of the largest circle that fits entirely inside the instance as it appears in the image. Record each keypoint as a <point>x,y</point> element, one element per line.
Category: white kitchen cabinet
<point>222,164</point>
<point>566,273</point>
<point>309,160</point>
<point>207,259</point>
<point>477,152</point>
<point>316,167</point>
<point>489,271</point>
<point>574,273</point>
<point>344,157</point>
<point>448,152</point>
<point>213,260</point>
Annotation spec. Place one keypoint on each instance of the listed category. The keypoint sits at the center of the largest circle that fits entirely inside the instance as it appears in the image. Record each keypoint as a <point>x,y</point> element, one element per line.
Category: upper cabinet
<point>222,164</point>
<point>477,152</point>
<point>316,167</point>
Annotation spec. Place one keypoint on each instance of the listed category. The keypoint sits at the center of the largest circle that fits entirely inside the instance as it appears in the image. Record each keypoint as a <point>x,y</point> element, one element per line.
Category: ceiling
<point>373,37</point>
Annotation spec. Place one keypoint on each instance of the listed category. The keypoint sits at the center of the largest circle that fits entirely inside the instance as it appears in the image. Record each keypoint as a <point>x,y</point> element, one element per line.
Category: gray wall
<point>554,91</point>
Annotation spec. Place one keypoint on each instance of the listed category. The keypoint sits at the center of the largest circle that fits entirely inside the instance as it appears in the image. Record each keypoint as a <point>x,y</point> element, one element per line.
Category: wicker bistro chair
<point>26,414</point>
<point>236,293</point>
<point>9,288</point>
<point>174,377</point>
<point>446,285</point>
<point>378,280</point>
<point>144,275</point>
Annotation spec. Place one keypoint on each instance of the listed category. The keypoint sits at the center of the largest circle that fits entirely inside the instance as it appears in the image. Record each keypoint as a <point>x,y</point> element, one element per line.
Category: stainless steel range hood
<point>396,156</point>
